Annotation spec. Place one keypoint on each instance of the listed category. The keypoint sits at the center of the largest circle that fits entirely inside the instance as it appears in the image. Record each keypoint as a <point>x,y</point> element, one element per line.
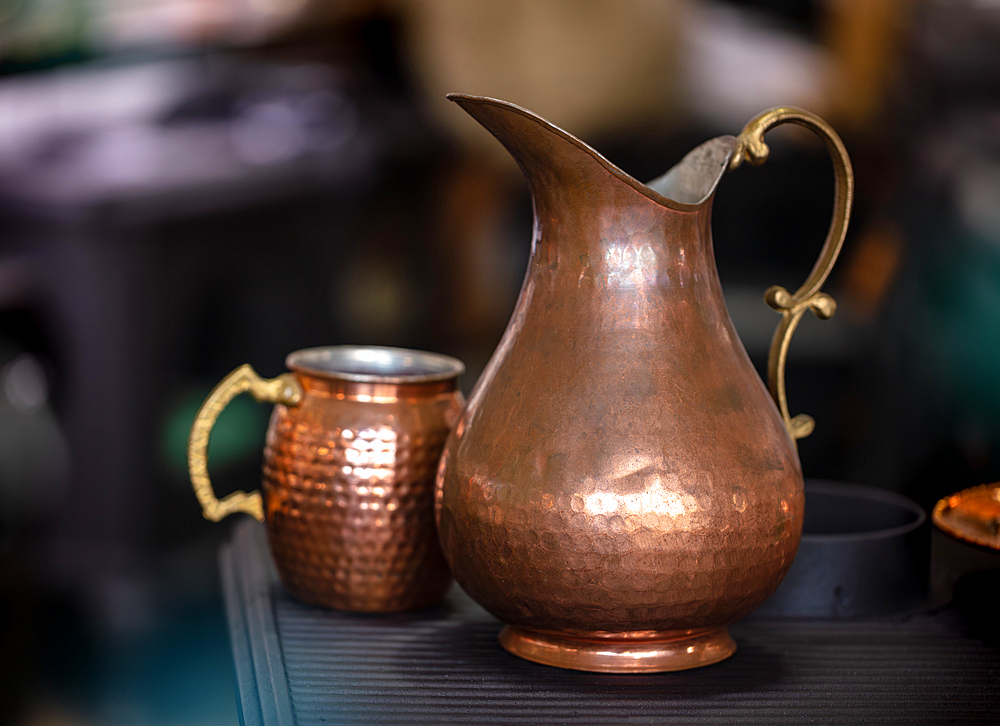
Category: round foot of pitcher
<point>621,653</point>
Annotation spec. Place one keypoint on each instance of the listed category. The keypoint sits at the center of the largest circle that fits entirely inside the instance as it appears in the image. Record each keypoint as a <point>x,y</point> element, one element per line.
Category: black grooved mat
<point>297,664</point>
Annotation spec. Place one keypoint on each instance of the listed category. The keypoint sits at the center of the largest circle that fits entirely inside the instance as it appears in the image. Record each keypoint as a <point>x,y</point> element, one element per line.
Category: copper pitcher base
<point>621,653</point>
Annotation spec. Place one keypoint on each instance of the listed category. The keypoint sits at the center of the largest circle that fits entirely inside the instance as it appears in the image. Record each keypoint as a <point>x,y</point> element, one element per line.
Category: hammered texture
<point>620,471</point>
<point>348,487</point>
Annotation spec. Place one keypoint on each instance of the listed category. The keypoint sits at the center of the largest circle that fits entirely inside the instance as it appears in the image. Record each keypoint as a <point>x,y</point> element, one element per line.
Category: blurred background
<point>188,185</point>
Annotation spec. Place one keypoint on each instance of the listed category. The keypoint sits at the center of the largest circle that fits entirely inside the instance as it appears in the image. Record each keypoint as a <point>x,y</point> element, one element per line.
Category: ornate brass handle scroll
<point>283,389</point>
<point>751,148</point>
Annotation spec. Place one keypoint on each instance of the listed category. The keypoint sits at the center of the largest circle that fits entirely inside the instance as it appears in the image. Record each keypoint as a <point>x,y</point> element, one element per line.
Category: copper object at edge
<point>348,479</point>
<point>972,515</point>
<point>621,486</point>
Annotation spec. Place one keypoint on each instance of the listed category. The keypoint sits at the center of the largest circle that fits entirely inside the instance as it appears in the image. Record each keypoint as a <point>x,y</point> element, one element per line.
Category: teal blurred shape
<point>954,330</point>
<point>238,434</point>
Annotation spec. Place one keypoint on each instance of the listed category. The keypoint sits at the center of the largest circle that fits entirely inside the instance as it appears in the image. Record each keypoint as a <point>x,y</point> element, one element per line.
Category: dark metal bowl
<point>864,553</point>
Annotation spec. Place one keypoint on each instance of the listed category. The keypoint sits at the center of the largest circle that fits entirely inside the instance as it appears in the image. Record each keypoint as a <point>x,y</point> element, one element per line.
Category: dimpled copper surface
<point>620,479</point>
<point>348,492</point>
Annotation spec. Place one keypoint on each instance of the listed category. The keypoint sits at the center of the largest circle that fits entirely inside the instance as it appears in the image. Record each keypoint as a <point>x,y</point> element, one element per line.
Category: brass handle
<point>283,389</point>
<point>751,148</point>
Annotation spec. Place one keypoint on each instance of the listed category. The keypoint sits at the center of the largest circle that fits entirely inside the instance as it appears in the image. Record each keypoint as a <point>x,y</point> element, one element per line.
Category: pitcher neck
<point>624,241</point>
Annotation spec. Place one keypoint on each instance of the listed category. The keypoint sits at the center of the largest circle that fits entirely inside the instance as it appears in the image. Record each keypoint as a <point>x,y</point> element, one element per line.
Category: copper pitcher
<point>349,465</point>
<point>621,486</point>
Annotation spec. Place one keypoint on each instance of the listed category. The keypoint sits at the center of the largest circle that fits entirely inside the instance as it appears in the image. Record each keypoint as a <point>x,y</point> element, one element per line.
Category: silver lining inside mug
<point>375,364</point>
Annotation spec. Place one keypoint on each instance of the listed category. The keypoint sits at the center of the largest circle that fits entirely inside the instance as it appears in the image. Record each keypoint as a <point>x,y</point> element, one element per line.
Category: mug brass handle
<point>283,389</point>
<point>751,148</point>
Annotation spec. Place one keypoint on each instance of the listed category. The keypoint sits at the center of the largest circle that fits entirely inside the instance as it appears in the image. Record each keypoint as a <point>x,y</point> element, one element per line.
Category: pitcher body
<point>621,485</point>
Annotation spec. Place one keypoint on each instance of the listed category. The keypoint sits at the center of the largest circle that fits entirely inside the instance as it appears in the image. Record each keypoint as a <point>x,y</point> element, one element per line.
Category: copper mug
<point>348,474</point>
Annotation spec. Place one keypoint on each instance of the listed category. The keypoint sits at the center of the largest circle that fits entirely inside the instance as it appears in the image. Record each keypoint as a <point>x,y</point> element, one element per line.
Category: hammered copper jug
<point>621,487</point>
<point>349,465</point>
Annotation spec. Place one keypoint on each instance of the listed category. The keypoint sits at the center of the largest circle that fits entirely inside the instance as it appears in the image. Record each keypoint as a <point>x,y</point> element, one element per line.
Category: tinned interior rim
<point>375,364</point>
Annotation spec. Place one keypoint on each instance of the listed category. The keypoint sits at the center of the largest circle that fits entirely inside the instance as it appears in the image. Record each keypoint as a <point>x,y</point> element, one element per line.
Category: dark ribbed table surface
<point>297,664</point>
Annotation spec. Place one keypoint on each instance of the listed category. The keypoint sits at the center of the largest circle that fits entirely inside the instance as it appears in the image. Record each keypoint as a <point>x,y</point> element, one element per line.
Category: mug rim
<point>402,365</point>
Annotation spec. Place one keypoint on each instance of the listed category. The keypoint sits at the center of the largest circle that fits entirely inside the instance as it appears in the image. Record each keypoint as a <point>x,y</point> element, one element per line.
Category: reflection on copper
<point>622,653</point>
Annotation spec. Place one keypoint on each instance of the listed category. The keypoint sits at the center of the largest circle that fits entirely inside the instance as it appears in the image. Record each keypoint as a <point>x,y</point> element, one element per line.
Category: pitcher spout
<point>551,157</point>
